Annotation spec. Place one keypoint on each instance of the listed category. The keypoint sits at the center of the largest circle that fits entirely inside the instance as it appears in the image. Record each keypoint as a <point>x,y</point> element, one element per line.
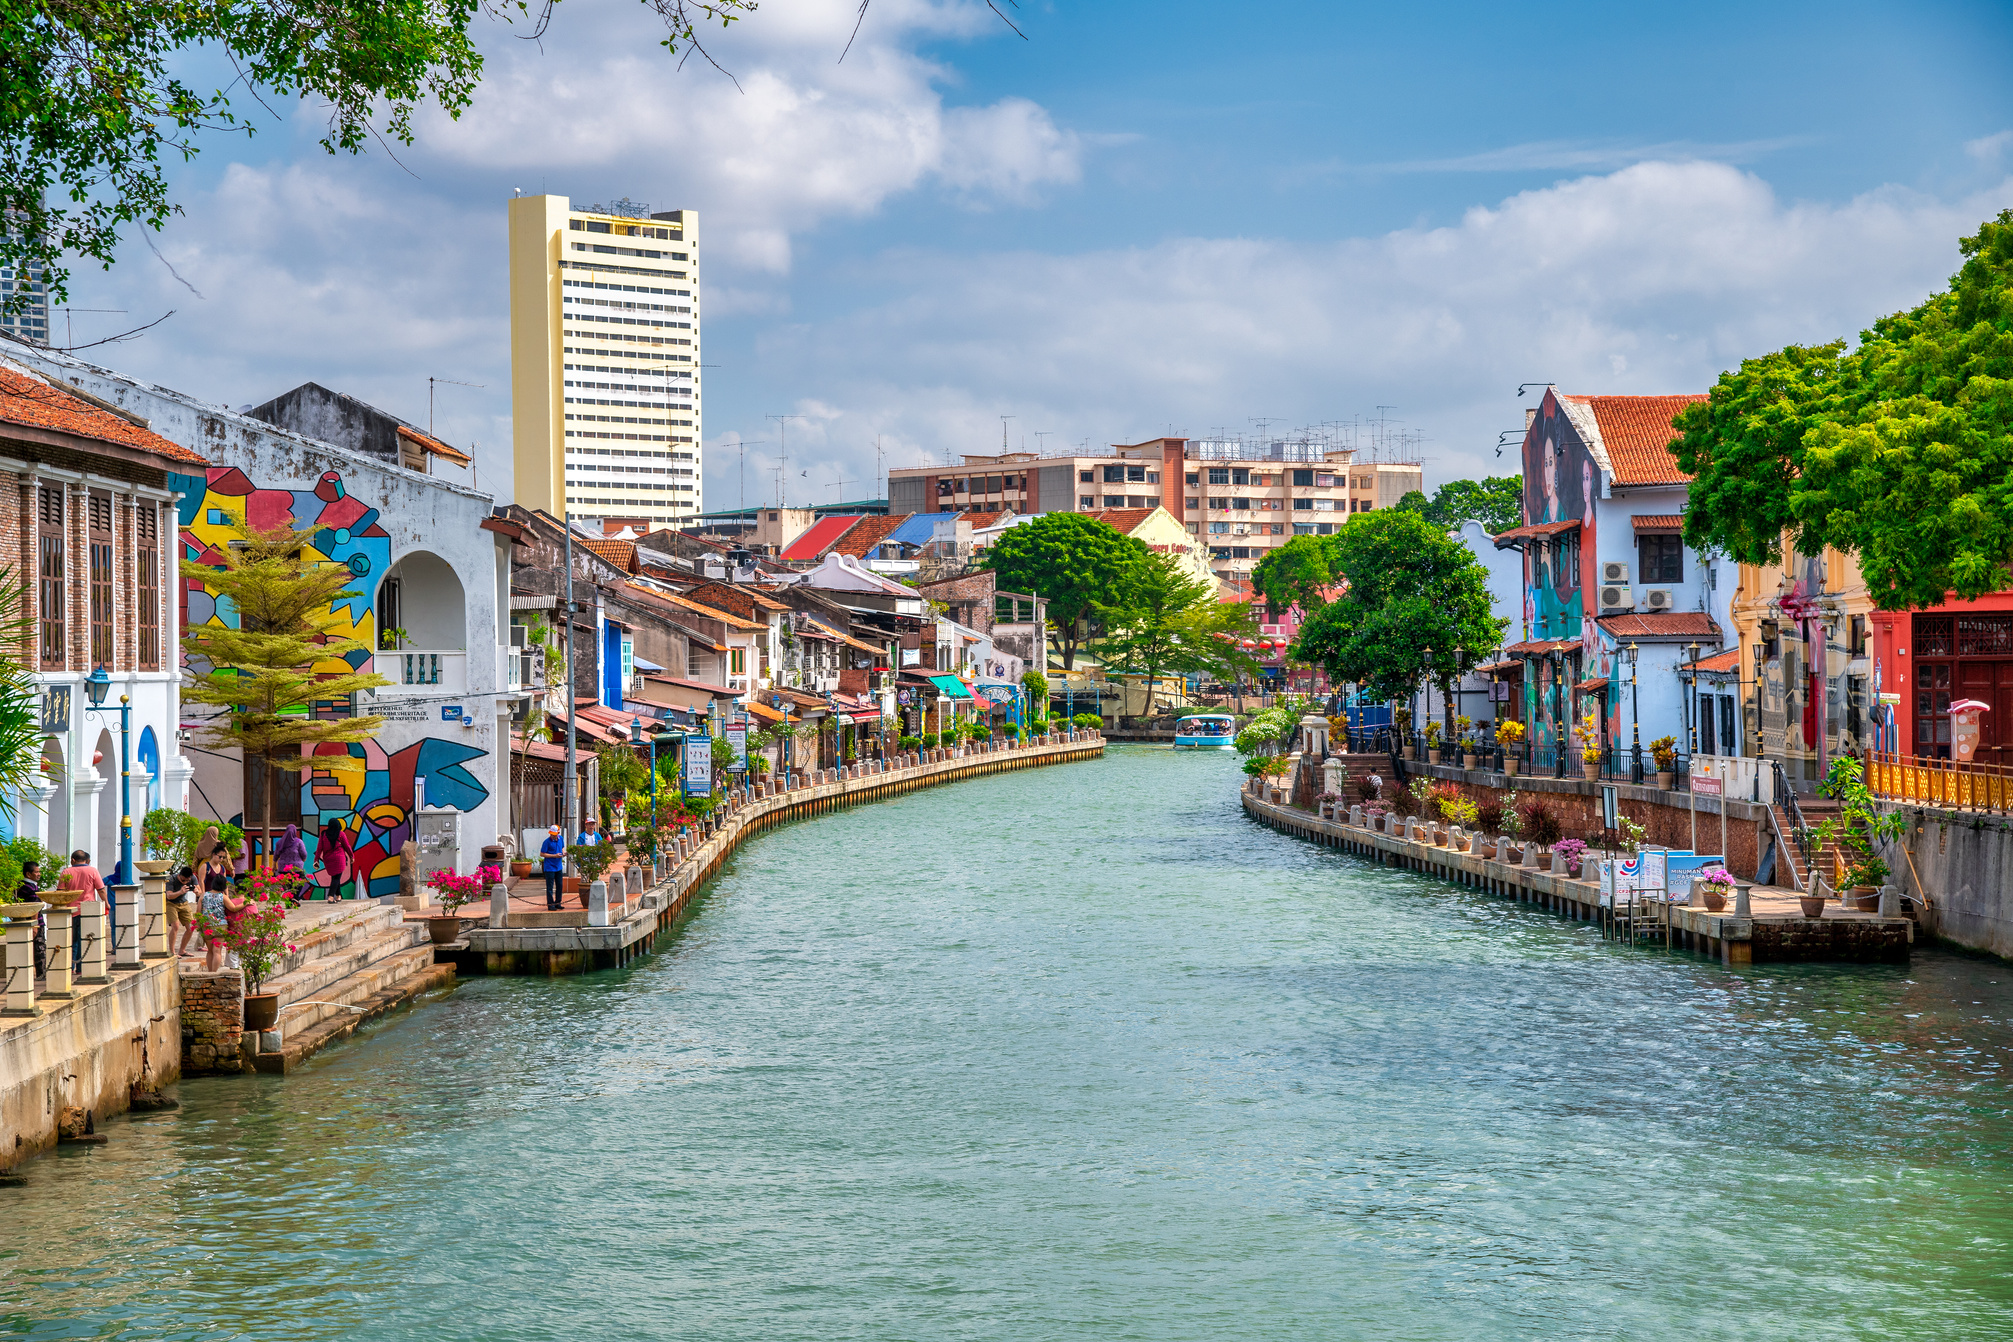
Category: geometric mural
<point>375,805</point>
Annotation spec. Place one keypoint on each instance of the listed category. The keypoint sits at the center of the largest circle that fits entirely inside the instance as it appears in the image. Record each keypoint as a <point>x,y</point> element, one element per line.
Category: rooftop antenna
<point>741,447</point>
<point>839,487</point>
<point>1039,446</point>
<point>1003,432</point>
<point>69,332</point>
<point>444,381</point>
<point>783,447</point>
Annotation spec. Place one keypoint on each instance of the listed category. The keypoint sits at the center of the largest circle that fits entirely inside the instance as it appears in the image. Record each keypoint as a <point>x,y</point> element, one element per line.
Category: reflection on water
<point>1079,1053</point>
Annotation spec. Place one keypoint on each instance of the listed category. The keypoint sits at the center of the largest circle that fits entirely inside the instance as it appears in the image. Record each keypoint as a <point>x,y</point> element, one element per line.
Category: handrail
<point>1971,786</point>
<point>1799,827</point>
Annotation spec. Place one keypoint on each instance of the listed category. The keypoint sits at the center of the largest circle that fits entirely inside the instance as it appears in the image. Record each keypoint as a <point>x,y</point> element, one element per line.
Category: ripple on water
<point>1079,1052</point>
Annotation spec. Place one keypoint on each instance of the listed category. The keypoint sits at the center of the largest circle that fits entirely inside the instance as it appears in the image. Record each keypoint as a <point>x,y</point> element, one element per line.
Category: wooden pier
<point>1775,932</point>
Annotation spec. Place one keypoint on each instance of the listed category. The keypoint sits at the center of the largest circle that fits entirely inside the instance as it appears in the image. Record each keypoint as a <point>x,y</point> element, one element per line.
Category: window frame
<point>51,566</point>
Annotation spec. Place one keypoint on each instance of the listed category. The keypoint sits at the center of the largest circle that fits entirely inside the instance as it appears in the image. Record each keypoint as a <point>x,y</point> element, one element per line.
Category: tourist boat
<point>1205,731</point>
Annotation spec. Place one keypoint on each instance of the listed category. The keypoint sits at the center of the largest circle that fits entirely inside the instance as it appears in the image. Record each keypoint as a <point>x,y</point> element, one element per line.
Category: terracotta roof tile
<point>35,402</point>
<point>432,444</point>
<point>1728,661</point>
<point>1126,520</point>
<point>622,554</point>
<point>1637,432</point>
<point>1661,624</point>
<point>1658,522</point>
<point>988,519</point>
<point>871,531</point>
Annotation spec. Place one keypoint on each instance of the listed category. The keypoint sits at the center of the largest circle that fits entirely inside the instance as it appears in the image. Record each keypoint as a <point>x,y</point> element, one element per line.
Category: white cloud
<point>1990,149</point>
<point>1650,279</point>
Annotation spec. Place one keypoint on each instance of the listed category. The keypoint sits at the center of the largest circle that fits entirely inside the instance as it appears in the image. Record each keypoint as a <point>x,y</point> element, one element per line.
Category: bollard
<point>56,978</point>
<point>1890,901</point>
<point>154,924</point>
<point>91,935</point>
<point>636,880</point>
<point>1741,908</point>
<point>597,904</point>
<point>499,905</point>
<point>21,967</point>
<point>129,915</point>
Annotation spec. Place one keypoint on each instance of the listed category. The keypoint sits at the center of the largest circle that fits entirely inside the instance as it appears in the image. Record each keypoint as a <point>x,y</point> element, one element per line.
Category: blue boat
<point>1205,731</point>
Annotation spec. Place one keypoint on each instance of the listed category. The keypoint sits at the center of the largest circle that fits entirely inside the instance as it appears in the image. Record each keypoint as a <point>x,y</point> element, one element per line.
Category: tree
<point>1295,574</point>
<point>263,673</point>
<point>1497,502</point>
<point>1899,452</point>
<point>1071,561</point>
<point>1162,619</point>
<point>20,715</point>
<point>1415,605</point>
<point>91,101</point>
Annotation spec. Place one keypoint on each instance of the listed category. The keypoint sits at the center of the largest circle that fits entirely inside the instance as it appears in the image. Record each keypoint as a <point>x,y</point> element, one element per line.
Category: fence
<point>1931,782</point>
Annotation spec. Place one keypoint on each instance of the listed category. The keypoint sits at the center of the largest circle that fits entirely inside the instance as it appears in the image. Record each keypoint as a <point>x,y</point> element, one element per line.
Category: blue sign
<point>450,712</point>
<point>698,770</point>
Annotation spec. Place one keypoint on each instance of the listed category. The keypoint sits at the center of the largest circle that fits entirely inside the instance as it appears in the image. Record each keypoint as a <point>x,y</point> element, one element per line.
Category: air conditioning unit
<point>1659,598</point>
<point>1614,600</point>
<point>1616,574</point>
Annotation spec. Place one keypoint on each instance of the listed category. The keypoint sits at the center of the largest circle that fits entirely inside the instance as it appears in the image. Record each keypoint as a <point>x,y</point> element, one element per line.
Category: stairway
<point>1816,810</point>
<point>351,955</point>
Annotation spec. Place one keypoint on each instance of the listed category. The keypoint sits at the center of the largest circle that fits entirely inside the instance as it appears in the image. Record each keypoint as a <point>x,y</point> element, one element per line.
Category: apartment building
<point>604,353</point>
<point>1240,500</point>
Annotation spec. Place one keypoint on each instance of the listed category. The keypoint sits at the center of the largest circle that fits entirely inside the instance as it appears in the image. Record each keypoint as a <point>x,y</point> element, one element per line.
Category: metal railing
<point>1958,785</point>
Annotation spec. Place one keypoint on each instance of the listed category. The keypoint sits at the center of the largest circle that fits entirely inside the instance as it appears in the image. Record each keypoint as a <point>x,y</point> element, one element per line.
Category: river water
<point>1078,1053</point>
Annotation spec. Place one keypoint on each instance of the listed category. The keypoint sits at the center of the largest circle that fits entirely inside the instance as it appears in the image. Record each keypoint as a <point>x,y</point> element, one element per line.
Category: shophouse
<point>1617,611</point>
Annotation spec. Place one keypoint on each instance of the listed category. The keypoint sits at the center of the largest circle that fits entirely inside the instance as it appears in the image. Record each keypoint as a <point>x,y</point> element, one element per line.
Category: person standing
<point>183,889</point>
<point>289,853</point>
<point>83,878</point>
<point>30,890</point>
<point>553,863</point>
<point>337,855</point>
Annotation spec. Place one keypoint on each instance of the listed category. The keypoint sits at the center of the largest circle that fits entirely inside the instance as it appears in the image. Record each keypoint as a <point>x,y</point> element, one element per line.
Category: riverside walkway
<point>1775,930</point>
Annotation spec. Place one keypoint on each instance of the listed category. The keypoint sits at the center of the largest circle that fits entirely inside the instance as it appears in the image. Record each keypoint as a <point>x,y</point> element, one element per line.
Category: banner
<point>698,766</point>
<point>737,737</point>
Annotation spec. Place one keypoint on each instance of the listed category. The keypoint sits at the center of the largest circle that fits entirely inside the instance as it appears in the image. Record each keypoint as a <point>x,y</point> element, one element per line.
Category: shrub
<point>1574,850</point>
<point>15,855</point>
<point>1538,822</point>
<point>929,741</point>
<point>978,731</point>
<point>909,743</point>
<point>1088,720</point>
<point>1489,815</point>
<point>1664,750</point>
<point>644,840</point>
<point>1369,786</point>
<point>456,891</point>
<point>1457,810</point>
<point>1509,732</point>
<point>591,859</point>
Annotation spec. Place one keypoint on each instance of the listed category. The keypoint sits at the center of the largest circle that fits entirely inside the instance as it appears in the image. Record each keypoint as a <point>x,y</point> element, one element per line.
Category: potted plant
<point>1538,823</point>
<point>456,891</point>
<point>591,861</point>
<point>1854,830</point>
<point>164,834</point>
<point>1432,741</point>
<point>1588,734</point>
<point>258,935</point>
<point>1664,751</point>
<point>643,845</point>
<point>1863,880</point>
<point>1574,851</point>
<point>1509,735</point>
<point>1715,887</point>
<point>1463,729</point>
<point>1401,721</point>
<point>1812,905</point>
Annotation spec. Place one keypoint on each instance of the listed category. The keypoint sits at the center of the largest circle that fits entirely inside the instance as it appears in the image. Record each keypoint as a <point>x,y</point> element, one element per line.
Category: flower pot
<point>569,885</point>
<point>520,869</point>
<point>262,1010</point>
<point>1665,778</point>
<point>1467,761</point>
<point>27,908</point>
<point>1432,757</point>
<point>1714,897</point>
<point>1510,768</point>
<point>1812,905</point>
<point>444,929</point>
<point>156,866</point>
<point>1864,898</point>
<point>1590,768</point>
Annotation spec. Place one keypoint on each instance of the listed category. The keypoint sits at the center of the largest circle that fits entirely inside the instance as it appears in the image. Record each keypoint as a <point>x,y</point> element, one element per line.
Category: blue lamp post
<point>97,685</point>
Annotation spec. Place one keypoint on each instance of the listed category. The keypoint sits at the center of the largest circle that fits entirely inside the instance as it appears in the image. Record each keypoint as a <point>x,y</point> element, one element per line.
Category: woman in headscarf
<point>205,848</point>
<point>290,854</point>
<point>337,855</point>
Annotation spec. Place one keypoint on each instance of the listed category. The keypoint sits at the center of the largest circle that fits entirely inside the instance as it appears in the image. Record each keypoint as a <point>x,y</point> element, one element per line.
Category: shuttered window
<point>49,573</point>
<point>146,535</point>
<point>99,517</point>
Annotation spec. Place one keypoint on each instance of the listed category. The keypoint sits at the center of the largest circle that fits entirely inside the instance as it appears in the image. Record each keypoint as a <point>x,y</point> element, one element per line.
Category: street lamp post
<point>1691,693</point>
<point>97,685</point>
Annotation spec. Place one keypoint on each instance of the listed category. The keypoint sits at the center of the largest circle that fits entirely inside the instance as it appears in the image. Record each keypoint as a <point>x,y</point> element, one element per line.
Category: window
<point>1086,501</point>
<point>1303,505</point>
<point>964,486</point>
<point>1219,552</point>
<point>1085,477</point>
<point>1193,504</point>
<point>1136,474</point>
<point>1324,528</point>
<point>1140,501</point>
<point>1153,477</point>
<point>1278,528</point>
<point>1303,528</point>
<point>1324,482</point>
<point>1219,504</point>
<point>1303,478</point>
<point>1194,478</point>
<point>737,661</point>
<point>1662,558</point>
<point>1239,476</point>
<point>147,519</point>
<point>1272,505</point>
<point>1219,475</point>
<point>1240,503</point>
<point>1240,552</point>
<point>1114,474</point>
<point>1114,500</point>
<point>992,484</point>
<point>1219,528</point>
<point>943,491</point>
<point>49,570</point>
<point>99,519</point>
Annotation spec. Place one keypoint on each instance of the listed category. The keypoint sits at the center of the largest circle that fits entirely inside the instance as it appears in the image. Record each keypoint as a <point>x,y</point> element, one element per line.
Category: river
<point>1070,1053</point>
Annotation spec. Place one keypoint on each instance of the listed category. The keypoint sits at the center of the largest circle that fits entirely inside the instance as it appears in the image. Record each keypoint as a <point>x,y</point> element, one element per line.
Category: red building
<point>1924,660</point>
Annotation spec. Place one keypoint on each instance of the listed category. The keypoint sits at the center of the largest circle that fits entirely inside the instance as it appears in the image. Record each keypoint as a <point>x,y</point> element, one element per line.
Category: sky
<point>1122,220</point>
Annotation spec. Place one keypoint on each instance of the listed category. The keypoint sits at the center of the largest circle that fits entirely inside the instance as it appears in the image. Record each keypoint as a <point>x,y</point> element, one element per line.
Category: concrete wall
<point>1963,865</point>
<point>85,1053</point>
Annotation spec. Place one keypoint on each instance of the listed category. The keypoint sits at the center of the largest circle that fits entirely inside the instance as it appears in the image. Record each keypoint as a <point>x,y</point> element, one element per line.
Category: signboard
<point>737,737</point>
<point>56,710</point>
<point>450,712</point>
<point>698,766</point>
<point>1707,787</point>
<point>1683,866</point>
<point>1609,797</point>
<point>998,692</point>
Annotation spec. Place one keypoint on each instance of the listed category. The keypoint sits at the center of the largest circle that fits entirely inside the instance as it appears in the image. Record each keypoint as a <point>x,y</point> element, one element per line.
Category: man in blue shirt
<point>553,851</point>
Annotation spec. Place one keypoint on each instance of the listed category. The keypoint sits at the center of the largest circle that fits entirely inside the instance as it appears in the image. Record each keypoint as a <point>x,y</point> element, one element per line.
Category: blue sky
<point>1142,217</point>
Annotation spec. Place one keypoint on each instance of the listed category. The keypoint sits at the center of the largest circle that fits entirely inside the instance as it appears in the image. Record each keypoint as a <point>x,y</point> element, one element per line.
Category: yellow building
<point>1805,663</point>
<point>604,360</point>
<point>1160,531</point>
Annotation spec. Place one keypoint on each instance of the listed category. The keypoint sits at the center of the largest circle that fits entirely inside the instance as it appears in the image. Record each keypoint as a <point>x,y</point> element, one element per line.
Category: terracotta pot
<point>1432,757</point>
<point>1510,767</point>
<point>1714,900</point>
<point>261,1010</point>
<point>1411,752</point>
<point>1467,761</point>
<point>520,869</point>
<point>1812,905</point>
<point>1590,769</point>
<point>444,929</point>
<point>1864,898</point>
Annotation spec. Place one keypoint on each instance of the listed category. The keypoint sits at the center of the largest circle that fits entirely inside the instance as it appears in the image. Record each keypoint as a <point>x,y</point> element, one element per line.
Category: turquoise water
<point>1079,1053</point>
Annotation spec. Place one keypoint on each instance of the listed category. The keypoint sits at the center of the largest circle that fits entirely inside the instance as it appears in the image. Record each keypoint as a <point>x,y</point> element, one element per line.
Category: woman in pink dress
<point>338,854</point>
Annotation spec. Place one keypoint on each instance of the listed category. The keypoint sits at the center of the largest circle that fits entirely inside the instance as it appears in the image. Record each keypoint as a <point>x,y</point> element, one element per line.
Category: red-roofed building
<point>819,541</point>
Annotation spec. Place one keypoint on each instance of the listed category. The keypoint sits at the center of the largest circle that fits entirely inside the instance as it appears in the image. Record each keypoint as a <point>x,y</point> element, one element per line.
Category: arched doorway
<point>56,832</point>
<point>147,763</point>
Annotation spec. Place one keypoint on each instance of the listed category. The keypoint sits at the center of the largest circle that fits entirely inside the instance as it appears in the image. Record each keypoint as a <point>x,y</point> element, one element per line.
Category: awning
<point>1536,531</point>
<point>950,687</point>
<point>763,711</point>
<point>1492,668</point>
<point>1658,522</point>
<point>1589,686</point>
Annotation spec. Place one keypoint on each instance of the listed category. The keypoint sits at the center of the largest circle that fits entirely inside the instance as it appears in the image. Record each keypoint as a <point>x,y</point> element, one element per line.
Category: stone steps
<point>357,972</point>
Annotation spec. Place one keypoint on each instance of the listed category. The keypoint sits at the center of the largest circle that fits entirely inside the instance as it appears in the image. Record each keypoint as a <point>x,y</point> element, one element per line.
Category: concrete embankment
<point>1776,931</point>
<point>580,941</point>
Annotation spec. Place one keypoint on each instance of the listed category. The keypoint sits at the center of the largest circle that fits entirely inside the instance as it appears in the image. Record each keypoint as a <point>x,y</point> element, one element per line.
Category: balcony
<point>423,671</point>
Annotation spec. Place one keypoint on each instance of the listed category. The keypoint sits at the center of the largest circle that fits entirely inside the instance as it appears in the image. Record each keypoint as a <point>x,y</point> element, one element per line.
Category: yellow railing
<point>1927,782</point>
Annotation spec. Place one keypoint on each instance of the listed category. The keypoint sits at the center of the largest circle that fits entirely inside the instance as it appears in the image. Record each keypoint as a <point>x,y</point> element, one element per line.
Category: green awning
<point>951,687</point>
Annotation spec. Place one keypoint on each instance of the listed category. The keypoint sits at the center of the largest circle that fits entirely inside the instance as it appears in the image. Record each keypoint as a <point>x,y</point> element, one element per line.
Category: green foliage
<point>1899,452</point>
<point>1073,561</point>
<point>723,755</point>
<point>15,855</point>
<point>1664,751</point>
<point>644,841</point>
<point>620,770</point>
<point>1497,502</point>
<point>1036,685</point>
<point>1416,605</point>
<point>909,743</point>
<point>1161,620</point>
<point>929,741</point>
<point>591,860</point>
<point>166,837</point>
<point>93,95</point>
<point>1294,574</point>
<point>1089,720</point>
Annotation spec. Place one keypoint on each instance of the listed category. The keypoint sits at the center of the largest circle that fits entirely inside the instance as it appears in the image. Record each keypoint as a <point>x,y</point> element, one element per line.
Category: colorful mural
<point>375,806</point>
<point>1561,480</point>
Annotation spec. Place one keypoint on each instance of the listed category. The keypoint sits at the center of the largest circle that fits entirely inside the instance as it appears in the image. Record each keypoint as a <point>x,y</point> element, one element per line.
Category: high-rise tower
<point>604,360</point>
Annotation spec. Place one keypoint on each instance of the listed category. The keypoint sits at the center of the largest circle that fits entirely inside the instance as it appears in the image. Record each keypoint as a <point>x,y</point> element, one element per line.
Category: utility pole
<point>1003,432</point>
<point>783,444</point>
<point>880,474</point>
<point>741,446</point>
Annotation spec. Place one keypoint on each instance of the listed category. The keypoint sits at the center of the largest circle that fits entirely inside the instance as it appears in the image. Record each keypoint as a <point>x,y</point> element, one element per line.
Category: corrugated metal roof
<point>917,529</point>
<point>822,536</point>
